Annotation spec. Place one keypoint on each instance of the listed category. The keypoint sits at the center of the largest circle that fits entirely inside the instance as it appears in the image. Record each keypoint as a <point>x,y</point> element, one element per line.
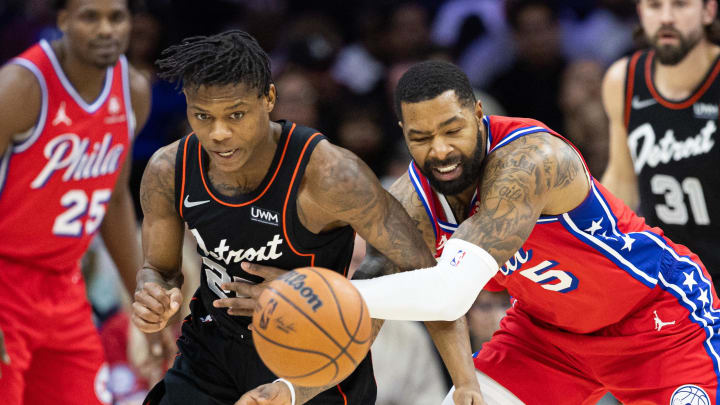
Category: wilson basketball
<point>311,327</point>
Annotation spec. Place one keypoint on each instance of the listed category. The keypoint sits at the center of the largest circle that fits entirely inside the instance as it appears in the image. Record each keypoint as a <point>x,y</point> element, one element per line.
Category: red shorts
<point>55,351</point>
<point>633,360</point>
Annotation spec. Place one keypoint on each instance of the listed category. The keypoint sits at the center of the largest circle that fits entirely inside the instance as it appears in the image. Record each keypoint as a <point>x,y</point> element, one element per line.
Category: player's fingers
<point>239,312</point>
<point>142,312</point>
<point>151,303</point>
<point>175,298</point>
<point>145,326</point>
<point>235,303</point>
<point>159,293</point>
<point>240,288</point>
<point>266,272</point>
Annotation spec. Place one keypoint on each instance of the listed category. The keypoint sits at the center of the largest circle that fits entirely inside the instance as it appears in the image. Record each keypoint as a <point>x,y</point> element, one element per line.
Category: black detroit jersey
<point>676,158</point>
<point>260,227</point>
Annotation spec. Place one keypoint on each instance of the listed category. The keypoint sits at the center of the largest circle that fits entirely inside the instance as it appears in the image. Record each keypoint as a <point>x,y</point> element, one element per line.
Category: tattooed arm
<point>157,296</point>
<point>535,174</point>
<point>340,189</point>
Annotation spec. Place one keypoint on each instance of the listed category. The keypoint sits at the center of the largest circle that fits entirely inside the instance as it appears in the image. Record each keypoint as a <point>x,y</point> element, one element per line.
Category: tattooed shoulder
<point>340,182</point>
<point>157,188</point>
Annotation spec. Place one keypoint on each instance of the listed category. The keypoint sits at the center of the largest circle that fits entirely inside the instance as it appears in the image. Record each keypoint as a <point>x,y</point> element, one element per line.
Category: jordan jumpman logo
<point>659,324</point>
<point>61,117</point>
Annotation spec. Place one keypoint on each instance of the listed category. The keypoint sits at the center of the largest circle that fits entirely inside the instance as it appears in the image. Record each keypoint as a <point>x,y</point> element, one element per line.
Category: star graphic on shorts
<point>709,316</point>
<point>704,297</point>
<point>594,227</point>
<point>604,235</point>
<point>628,242</point>
<point>690,280</point>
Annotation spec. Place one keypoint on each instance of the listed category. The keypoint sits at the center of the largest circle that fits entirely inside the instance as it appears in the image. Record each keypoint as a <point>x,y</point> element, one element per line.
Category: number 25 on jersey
<point>83,214</point>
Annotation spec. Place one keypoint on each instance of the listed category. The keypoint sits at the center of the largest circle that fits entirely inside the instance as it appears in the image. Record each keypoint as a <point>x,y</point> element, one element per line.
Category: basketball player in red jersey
<point>69,110</point>
<point>663,108</point>
<point>601,301</point>
<point>251,190</point>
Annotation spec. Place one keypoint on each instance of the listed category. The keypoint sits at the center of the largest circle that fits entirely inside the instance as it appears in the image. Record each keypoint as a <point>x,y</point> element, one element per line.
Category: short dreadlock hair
<point>133,5</point>
<point>230,57</point>
<point>427,80</point>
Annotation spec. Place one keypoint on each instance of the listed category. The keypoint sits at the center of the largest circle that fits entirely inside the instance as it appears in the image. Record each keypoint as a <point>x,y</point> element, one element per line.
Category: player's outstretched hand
<point>468,396</point>
<point>154,305</point>
<point>276,393</point>
<point>4,357</point>
<point>247,294</point>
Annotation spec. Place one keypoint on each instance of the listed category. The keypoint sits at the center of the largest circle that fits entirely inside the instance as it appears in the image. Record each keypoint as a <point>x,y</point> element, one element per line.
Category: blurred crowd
<point>335,65</point>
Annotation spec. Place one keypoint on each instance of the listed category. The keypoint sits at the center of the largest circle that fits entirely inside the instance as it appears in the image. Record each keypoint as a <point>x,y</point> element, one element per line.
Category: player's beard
<point>673,54</point>
<point>471,168</point>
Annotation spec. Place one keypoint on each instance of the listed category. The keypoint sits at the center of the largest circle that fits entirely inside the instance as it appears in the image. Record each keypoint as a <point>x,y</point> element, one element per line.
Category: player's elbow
<point>455,309</point>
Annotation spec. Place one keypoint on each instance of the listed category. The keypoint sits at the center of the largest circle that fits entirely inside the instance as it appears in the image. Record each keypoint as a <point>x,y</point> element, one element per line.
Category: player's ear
<point>709,12</point>
<point>63,19</point>
<point>479,109</point>
<point>271,98</point>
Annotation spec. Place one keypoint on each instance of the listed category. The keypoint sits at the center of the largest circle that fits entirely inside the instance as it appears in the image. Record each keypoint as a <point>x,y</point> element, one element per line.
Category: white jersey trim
<point>24,144</point>
<point>90,108</point>
<point>129,112</point>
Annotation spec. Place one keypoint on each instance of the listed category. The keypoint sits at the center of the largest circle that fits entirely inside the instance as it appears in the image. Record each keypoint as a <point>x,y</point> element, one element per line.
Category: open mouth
<point>448,172</point>
<point>226,154</point>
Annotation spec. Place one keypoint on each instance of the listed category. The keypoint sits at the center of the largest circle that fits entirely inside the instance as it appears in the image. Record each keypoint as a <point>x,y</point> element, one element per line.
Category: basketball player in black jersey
<point>663,110</point>
<point>255,191</point>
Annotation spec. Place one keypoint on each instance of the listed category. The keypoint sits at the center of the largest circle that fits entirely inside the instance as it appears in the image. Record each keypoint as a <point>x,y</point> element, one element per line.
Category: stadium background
<point>335,65</point>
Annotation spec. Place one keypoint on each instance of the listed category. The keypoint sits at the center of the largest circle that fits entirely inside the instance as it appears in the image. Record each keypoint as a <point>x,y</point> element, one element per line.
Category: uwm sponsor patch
<point>264,216</point>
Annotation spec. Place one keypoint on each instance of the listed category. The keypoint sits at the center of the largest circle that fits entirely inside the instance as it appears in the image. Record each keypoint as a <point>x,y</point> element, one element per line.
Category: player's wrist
<point>290,387</point>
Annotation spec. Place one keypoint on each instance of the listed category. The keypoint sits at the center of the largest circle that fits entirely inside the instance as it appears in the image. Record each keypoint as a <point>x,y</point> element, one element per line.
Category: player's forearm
<point>452,340</point>
<point>168,279</point>
<point>440,293</point>
<point>120,235</point>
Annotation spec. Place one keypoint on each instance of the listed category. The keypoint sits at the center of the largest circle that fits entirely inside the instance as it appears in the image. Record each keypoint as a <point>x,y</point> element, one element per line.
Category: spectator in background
<point>581,103</point>
<point>477,35</point>
<point>604,34</point>
<point>166,122</point>
<point>297,99</point>
<point>28,22</point>
<point>360,131</point>
<point>530,88</point>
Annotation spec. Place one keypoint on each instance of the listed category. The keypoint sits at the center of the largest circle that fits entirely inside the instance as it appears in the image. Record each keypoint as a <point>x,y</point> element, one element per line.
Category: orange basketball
<point>311,327</point>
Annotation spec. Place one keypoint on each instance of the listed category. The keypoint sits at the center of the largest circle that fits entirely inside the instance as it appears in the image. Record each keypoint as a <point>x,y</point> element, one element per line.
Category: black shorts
<point>215,367</point>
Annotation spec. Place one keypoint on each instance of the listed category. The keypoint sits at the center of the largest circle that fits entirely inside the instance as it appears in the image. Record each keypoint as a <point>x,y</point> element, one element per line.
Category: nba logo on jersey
<point>458,257</point>
<point>690,395</point>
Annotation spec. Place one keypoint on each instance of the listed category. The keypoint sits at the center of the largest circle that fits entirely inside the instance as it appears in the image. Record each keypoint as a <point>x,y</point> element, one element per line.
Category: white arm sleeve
<point>441,293</point>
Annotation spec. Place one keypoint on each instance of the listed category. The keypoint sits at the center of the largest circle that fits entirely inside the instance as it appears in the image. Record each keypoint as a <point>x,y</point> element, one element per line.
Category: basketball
<point>311,327</point>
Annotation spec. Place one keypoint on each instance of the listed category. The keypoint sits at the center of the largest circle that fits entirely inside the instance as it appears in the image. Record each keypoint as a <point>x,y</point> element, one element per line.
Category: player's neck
<point>677,82</point>
<point>248,178</point>
<point>88,80</point>
<point>460,202</point>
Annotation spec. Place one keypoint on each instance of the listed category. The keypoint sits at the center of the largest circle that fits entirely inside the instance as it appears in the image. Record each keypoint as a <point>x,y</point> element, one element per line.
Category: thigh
<point>22,323</point>
<point>666,369</point>
<point>205,369</point>
<point>70,368</point>
<point>524,358</point>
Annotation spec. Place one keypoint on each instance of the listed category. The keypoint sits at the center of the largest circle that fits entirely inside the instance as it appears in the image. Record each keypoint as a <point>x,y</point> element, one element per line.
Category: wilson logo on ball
<point>297,282</point>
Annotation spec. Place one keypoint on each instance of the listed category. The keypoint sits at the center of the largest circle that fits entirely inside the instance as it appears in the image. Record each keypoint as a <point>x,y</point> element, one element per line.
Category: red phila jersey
<point>56,179</point>
<point>587,268</point>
